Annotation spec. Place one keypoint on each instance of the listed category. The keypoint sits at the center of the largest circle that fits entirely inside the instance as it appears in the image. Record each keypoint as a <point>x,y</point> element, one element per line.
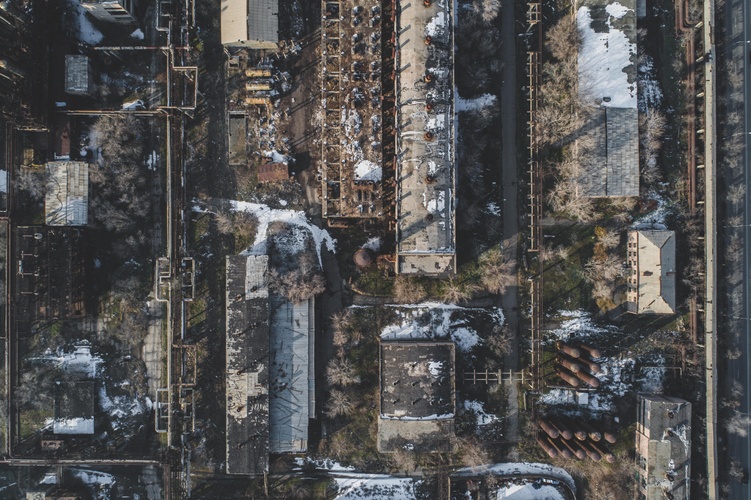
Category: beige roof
<point>653,268</point>
<point>234,21</point>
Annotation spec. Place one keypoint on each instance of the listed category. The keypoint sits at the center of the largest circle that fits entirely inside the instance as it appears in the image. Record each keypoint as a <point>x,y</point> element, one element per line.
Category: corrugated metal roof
<point>67,200</point>
<point>250,22</point>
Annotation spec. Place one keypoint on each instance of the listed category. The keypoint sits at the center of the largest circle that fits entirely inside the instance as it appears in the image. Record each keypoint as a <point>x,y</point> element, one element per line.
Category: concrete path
<point>152,351</point>
<point>509,301</point>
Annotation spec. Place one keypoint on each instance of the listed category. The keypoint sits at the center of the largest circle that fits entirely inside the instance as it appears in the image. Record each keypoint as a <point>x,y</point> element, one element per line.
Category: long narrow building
<point>425,170</point>
<point>247,370</point>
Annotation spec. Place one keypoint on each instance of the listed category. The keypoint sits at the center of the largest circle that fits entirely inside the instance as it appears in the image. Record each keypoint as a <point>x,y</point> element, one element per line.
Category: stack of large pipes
<point>569,438</point>
<point>576,364</point>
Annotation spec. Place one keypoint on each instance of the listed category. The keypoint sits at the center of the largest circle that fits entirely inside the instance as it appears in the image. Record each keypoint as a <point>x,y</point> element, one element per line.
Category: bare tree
<point>496,273</point>
<point>408,291</point>
<point>33,181</point>
<point>473,453</point>
<point>454,291</point>
<point>341,372</point>
<point>607,269</point>
<point>738,424</point>
<point>562,40</point>
<point>404,460</point>
<point>339,404</point>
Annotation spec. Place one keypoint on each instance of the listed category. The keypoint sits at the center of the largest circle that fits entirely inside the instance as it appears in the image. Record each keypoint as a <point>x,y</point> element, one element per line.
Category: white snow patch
<point>479,411</point>
<point>493,208</point>
<point>137,34</point>
<point>520,468</point>
<point>435,367</point>
<point>529,491</point>
<point>84,30</point>
<point>283,203</point>
<point>602,60</point>
<point>616,10</point>
<point>373,244</point>
<point>133,105</point>
<point>76,425</point>
<point>374,487</point>
<point>437,204</point>
<point>3,181</point>
<point>152,160</point>
<point>577,324</point>
<point>266,215</point>
<point>438,122</point>
<point>275,156</point>
<point>100,484</point>
<point>465,338</point>
<point>366,170</point>
<point>436,25</point>
<point>461,104</point>
<point>656,218</point>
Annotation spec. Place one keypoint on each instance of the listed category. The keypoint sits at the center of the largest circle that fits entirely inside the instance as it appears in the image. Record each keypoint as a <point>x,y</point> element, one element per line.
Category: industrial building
<point>663,447</point>
<point>352,145</point>
<point>247,365</point>
<point>252,24</point>
<point>50,281</point>
<point>417,396</point>
<point>67,198</point>
<point>425,140</point>
<point>79,77</point>
<point>292,375</point>
<point>112,11</point>
<point>607,87</point>
<point>270,368</point>
<point>651,279</point>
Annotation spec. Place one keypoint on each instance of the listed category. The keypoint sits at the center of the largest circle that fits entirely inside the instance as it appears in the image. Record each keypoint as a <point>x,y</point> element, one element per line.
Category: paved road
<point>508,164</point>
<point>738,295</point>
<point>509,301</point>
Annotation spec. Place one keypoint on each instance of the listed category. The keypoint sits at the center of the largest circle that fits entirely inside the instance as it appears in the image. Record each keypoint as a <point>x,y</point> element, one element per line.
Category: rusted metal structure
<point>351,168</point>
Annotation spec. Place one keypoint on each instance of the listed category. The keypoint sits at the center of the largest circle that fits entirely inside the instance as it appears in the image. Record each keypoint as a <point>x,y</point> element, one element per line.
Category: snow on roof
<point>368,171</point>
<point>78,425</point>
<point>607,58</point>
<point>84,30</point>
<point>374,487</point>
<point>436,321</point>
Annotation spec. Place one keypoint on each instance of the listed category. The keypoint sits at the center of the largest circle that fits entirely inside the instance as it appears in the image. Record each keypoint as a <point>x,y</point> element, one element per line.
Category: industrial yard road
<point>735,373</point>
<point>509,301</point>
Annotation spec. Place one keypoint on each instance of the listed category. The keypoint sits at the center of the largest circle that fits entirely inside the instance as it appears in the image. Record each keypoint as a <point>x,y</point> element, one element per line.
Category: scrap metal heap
<point>352,169</point>
<point>425,141</point>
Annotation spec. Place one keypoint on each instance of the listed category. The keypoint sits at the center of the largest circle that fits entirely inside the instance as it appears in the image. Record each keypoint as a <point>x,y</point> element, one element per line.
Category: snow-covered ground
<point>603,57</point>
<point>366,170</point>
<point>99,484</point>
<point>431,320</point>
<point>650,93</point>
<point>266,216</point>
<point>520,468</point>
<point>461,104</point>
<point>374,487</point>
<point>477,408</point>
<point>656,219</point>
<point>618,375</point>
<point>84,30</point>
<point>529,491</point>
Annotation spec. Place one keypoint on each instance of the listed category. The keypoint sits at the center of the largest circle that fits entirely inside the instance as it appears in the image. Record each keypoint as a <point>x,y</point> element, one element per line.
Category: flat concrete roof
<point>425,139</point>
<point>67,199</point>
<point>247,365</point>
<point>663,446</point>
<point>417,396</point>
<point>652,262</point>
